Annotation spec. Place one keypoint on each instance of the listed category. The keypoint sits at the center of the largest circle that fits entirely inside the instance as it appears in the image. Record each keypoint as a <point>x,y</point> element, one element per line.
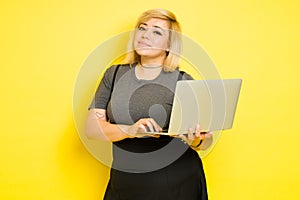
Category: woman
<point>136,98</point>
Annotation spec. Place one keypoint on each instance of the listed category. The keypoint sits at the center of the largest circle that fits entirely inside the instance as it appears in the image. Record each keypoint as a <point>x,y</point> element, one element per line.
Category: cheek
<point>162,43</point>
<point>135,40</point>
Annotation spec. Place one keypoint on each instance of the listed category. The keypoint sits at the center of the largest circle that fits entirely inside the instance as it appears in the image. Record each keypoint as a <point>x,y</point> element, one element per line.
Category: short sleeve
<point>103,92</point>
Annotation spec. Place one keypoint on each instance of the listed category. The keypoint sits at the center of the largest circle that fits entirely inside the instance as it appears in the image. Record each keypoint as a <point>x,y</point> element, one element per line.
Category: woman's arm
<point>97,127</point>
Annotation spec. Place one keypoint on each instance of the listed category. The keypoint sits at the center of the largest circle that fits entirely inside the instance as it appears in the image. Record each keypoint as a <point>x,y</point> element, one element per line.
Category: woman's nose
<point>147,34</point>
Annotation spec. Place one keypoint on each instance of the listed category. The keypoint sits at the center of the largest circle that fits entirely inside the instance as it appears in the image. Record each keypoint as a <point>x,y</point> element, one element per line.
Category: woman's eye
<point>141,28</point>
<point>157,33</point>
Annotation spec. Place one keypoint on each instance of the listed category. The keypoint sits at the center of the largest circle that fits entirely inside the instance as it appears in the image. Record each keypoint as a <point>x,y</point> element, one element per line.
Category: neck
<point>148,62</point>
<point>151,66</point>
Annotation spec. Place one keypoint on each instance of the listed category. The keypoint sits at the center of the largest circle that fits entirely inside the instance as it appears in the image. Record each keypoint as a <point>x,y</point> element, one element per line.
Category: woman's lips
<point>143,44</point>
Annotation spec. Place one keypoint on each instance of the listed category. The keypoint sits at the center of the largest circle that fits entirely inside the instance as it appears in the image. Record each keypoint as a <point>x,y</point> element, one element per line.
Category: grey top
<point>133,99</point>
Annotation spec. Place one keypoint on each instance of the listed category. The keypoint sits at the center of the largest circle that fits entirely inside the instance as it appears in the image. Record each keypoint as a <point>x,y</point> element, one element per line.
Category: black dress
<point>182,180</point>
<point>148,168</point>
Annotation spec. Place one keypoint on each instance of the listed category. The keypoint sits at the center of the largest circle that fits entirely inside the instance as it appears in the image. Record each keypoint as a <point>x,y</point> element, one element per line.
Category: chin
<point>149,52</point>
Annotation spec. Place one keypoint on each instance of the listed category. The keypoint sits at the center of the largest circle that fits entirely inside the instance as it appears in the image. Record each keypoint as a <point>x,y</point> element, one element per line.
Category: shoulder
<point>117,66</point>
<point>110,71</point>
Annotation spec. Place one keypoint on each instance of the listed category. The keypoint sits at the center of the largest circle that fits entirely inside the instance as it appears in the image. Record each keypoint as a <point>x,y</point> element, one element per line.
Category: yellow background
<point>44,43</point>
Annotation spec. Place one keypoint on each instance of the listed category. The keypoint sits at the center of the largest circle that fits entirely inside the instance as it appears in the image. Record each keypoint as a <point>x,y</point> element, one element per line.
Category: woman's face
<point>151,38</point>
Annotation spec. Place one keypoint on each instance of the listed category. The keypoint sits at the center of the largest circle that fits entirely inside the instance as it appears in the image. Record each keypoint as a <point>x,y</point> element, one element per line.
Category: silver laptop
<point>210,103</point>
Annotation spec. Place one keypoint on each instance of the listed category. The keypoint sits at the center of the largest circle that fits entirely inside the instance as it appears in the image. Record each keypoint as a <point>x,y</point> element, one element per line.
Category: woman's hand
<point>195,139</point>
<point>142,126</point>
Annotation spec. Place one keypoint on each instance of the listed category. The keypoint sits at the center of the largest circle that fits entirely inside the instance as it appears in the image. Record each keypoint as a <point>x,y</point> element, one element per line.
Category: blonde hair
<point>175,44</point>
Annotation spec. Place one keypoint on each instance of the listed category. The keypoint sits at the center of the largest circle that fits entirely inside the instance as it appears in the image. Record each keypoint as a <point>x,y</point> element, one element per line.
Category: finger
<point>198,136</point>
<point>197,132</point>
<point>142,128</point>
<point>155,125</point>
<point>150,126</point>
<point>202,136</point>
<point>183,138</point>
<point>190,135</point>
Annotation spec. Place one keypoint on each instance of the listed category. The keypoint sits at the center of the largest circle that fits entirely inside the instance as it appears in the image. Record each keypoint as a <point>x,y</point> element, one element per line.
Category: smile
<point>143,44</point>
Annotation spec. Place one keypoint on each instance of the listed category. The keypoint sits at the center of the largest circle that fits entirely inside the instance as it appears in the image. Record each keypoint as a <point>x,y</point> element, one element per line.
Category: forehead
<point>156,22</point>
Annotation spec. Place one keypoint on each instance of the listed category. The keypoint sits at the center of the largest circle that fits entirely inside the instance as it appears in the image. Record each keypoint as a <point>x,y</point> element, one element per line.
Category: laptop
<point>209,103</point>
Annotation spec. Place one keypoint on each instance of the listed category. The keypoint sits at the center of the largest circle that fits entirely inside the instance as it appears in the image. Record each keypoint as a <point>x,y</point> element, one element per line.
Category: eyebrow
<point>155,26</point>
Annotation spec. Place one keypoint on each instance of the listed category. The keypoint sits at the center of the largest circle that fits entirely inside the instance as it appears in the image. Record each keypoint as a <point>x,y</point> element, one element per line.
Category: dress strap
<point>114,78</point>
<point>180,75</point>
